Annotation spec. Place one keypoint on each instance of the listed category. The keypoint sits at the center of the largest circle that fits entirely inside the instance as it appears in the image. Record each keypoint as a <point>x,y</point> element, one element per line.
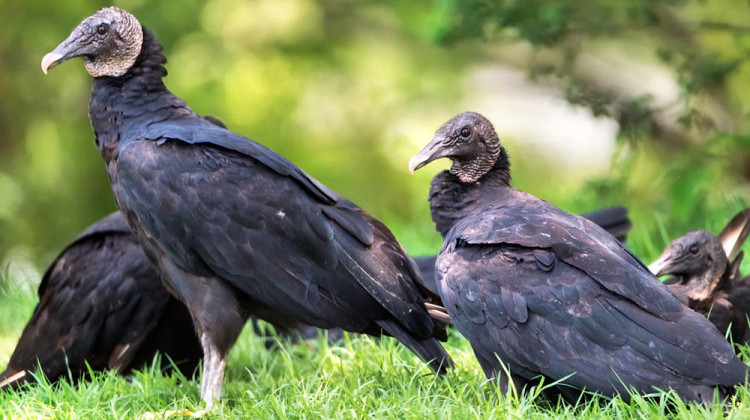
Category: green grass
<point>359,377</point>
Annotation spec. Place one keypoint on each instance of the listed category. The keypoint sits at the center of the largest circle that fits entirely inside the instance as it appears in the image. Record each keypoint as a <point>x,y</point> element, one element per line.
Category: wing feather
<point>287,242</point>
<point>594,333</point>
<point>532,223</point>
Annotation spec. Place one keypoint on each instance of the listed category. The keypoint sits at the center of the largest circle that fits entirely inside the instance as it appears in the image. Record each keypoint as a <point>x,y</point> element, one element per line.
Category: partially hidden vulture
<point>705,275</point>
<point>234,228</point>
<point>551,294</point>
<point>101,303</point>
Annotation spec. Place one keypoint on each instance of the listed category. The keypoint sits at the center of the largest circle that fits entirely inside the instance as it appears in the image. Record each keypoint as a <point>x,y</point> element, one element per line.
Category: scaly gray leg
<point>213,372</point>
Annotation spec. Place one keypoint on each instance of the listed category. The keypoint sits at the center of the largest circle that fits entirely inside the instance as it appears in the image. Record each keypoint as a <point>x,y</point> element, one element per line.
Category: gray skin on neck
<point>698,260</point>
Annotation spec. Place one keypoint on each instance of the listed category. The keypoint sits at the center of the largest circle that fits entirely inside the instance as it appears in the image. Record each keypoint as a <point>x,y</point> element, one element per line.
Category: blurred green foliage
<point>350,90</point>
<point>674,177</point>
<point>705,44</point>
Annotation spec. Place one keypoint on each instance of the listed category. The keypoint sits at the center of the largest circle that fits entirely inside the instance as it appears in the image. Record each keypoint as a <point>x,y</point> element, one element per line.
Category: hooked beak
<point>433,150</point>
<point>68,49</point>
<point>662,265</point>
<point>51,60</point>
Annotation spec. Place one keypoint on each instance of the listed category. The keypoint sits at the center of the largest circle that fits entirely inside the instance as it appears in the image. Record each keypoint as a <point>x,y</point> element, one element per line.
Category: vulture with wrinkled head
<point>546,293</point>
<point>234,228</point>
<point>705,275</point>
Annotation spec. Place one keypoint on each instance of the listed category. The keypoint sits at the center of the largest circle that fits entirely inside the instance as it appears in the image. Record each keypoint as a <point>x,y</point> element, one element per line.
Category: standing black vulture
<point>101,303</point>
<point>612,219</point>
<point>234,228</point>
<point>550,293</point>
<point>705,270</point>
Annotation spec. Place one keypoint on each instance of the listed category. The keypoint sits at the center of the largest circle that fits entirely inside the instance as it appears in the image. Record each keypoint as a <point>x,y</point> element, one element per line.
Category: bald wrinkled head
<point>469,140</point>
<point>690,255</point>
<point>109,42</point>
<point>697,259</point>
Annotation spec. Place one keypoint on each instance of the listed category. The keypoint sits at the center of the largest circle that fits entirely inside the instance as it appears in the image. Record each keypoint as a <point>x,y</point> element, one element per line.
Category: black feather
<point>101,303</point>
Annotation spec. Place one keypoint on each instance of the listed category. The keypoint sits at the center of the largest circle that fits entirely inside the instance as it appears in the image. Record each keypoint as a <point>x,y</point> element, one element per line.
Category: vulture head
<point>697,259</point>
<point>700,260</point>
<point>109,42</point>
<point>469,140</point>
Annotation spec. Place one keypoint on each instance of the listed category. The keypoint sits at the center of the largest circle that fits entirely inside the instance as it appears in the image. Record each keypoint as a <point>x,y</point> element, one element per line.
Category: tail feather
<point>428,349</point>
<point>614,220</point>
<point>733,236</point>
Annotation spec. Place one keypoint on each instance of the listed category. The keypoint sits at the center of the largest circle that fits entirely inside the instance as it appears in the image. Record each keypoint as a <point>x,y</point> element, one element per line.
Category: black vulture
<point>612,219</point>
<point>234,228</point>
<point>101,303</point>
<point>705,275</point>
<point>551,294</point>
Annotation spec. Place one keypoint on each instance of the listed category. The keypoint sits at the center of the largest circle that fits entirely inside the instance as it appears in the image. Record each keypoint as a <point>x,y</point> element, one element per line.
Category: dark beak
<point>434,150</point>
<point>68,49</point>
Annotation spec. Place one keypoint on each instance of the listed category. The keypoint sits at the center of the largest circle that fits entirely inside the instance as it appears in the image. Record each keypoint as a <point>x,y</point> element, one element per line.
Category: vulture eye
<point>102,29</point>
<point>465,132</point>
<point>693,249</point>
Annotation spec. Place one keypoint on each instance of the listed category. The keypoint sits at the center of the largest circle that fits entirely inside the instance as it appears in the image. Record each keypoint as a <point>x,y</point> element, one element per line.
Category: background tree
<point>350,90</point>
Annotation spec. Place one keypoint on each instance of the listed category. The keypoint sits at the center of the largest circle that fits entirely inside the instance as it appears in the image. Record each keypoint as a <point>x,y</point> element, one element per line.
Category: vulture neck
<point>715,280</point>
<point>451,200</point>
<point>698,291</point>
<point>134,99</point>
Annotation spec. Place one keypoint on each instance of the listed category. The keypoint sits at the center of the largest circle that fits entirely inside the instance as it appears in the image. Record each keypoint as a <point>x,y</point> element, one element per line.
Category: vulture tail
<point>428,349</point>
<point>614,220</point>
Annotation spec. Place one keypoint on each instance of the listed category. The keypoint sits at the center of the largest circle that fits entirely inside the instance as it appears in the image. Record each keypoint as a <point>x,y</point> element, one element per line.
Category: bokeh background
<point>600,102</point>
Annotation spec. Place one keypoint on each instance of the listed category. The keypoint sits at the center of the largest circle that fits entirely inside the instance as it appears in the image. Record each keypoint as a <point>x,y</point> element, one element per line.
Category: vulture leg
<point>214,363</point>
<point>489,369</point>
<point>218,318</point>
<point>519,383</point>
<point>492,374</point>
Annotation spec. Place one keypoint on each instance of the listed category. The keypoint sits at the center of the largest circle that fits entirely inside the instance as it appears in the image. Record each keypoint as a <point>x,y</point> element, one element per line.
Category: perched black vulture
<point>234,228</point>
<point>552,294</point>
<point>705,270</point>
<point>101,303</point>
<point>612,219</point>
